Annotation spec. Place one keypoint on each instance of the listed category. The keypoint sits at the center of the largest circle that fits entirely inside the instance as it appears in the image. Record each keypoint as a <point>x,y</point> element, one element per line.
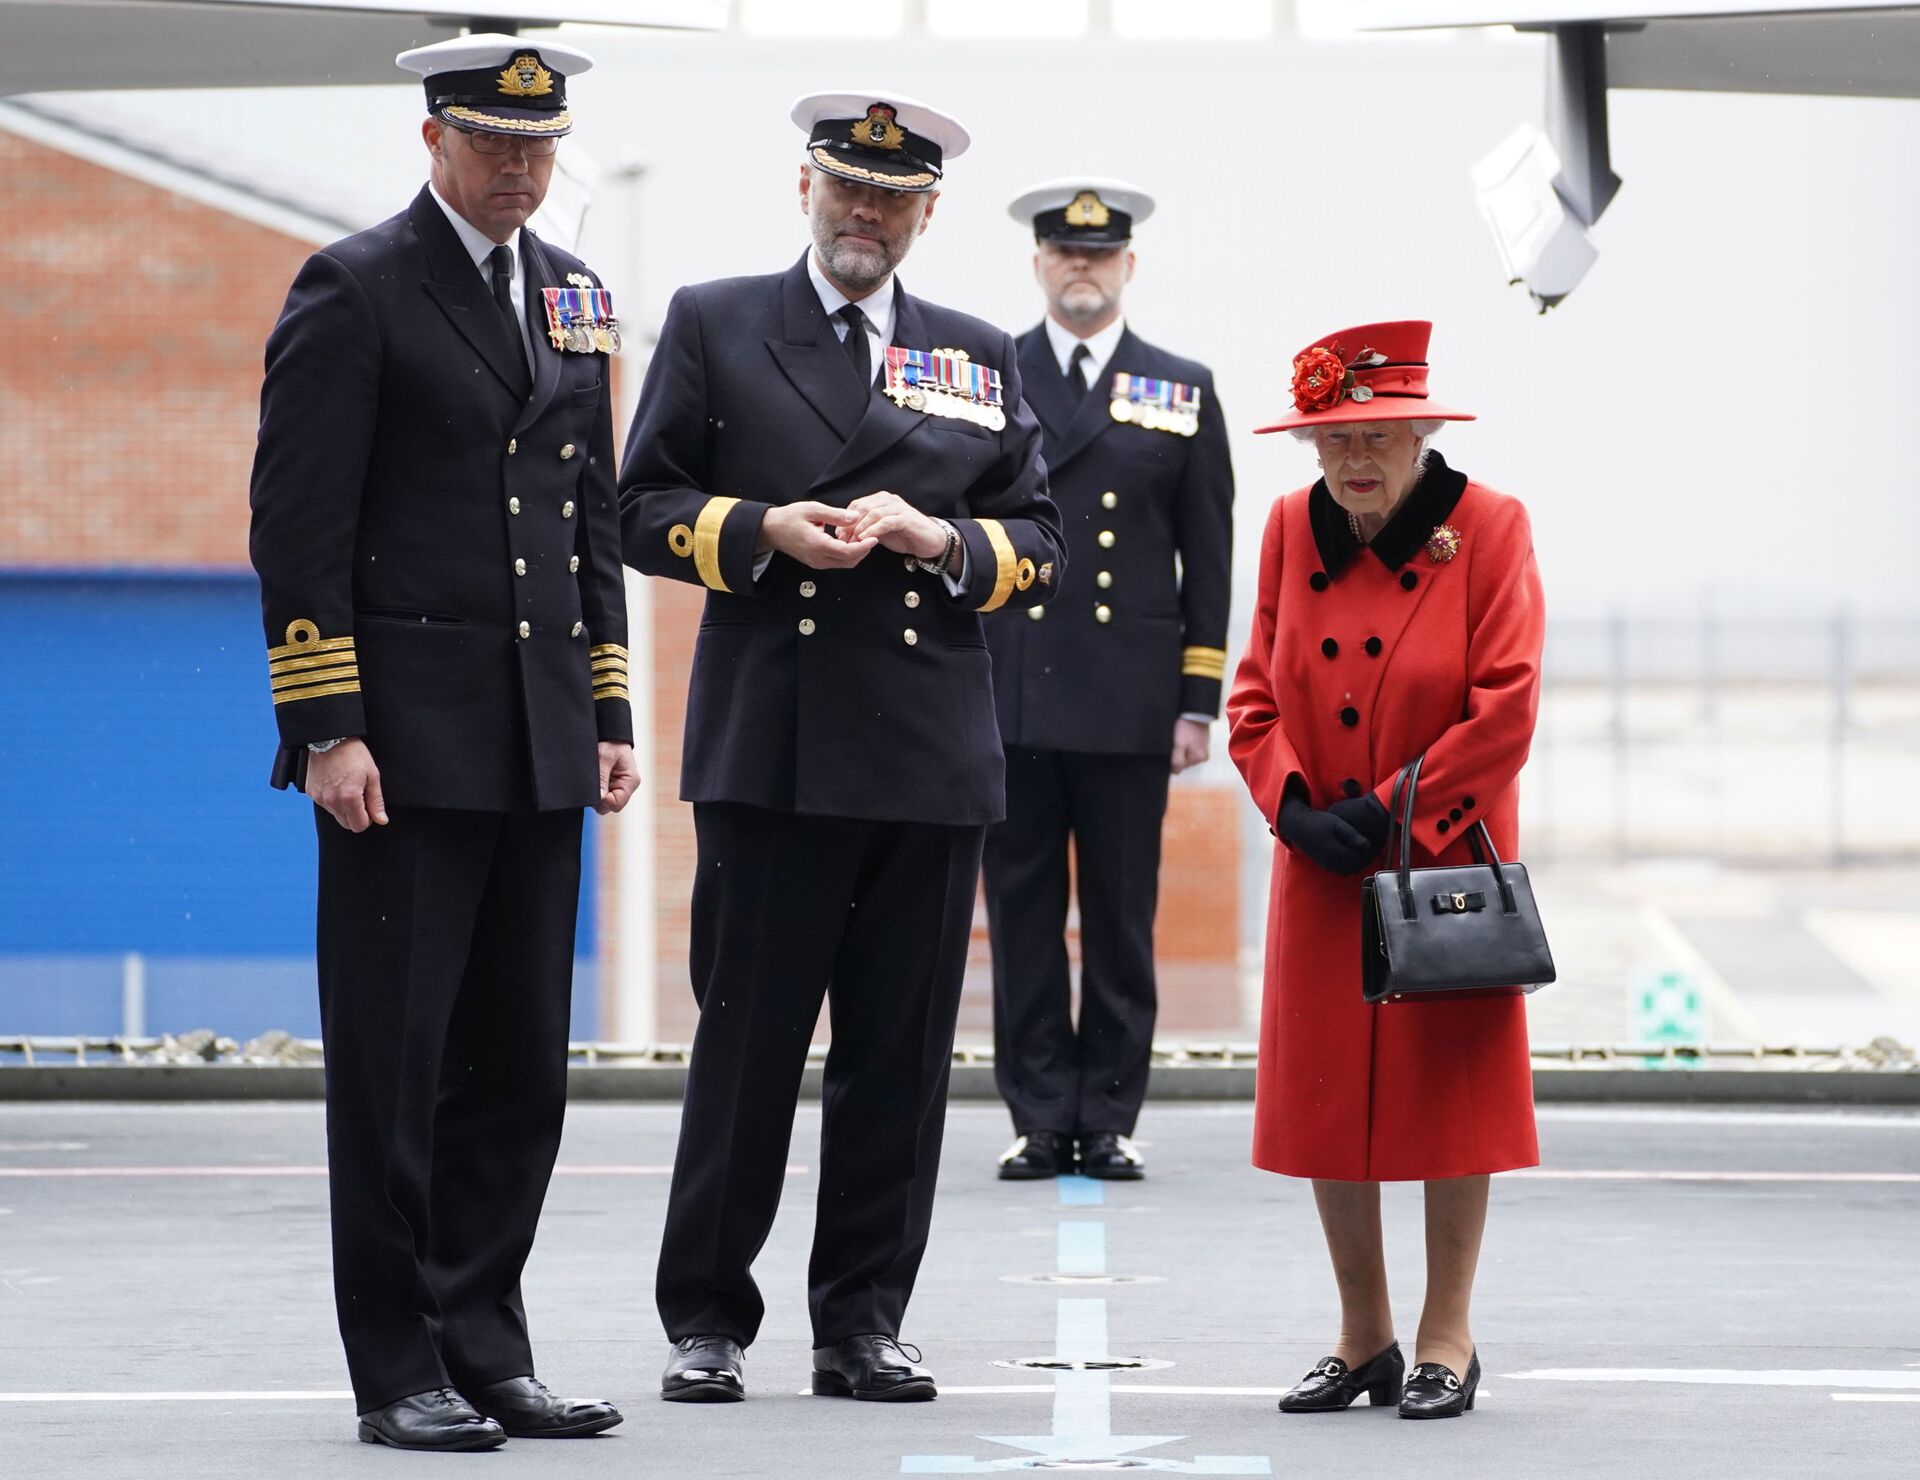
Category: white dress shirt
<point>480,248</point>
<point>877,308</point>
<point>1100,347</point>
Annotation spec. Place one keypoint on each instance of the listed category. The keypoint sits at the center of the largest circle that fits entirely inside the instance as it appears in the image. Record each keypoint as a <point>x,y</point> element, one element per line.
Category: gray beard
<point>1081,311</point>
<point>851,266</point>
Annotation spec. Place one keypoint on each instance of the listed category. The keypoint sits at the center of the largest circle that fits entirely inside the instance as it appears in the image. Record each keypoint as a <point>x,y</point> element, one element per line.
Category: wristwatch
<point>941,563</point>
<point>321,747</point>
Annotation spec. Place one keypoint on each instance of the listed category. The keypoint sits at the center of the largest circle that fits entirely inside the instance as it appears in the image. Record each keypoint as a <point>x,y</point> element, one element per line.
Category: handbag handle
<point>1400,820</point>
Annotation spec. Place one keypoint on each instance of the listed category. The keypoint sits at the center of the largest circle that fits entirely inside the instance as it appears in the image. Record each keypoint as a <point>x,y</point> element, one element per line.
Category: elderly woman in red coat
<point>1399,613</point>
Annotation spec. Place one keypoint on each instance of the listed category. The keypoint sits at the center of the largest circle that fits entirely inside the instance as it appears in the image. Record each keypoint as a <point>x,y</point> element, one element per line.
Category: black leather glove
<point>1366,816</point>
<point>1328,840</point>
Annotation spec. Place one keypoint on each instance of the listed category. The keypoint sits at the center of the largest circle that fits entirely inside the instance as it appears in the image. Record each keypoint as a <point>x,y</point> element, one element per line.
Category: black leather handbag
<point>1462,930</point>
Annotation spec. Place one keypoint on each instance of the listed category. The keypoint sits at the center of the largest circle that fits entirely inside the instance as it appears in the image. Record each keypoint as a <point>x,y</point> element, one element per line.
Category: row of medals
<point>586,339</point>
<point>941,403</point>
<point>1154,418</point>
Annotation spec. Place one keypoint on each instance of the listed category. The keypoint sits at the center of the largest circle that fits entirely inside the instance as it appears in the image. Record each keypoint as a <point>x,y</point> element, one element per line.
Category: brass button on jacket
<point>1106,539</point>
<point>1103,614</point>
<point>526,629</point>
<point>513,505</point>
<point>566,509</point>
<point>519,567</point>
<point>806,626</point>
<point>1109,500</point>
<point>566,452</point>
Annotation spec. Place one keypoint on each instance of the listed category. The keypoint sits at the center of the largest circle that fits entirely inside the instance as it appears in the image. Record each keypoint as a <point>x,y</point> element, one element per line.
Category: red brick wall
<point>130,365</point>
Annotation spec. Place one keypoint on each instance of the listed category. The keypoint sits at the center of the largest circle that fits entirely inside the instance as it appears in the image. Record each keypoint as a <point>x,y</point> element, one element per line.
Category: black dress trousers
<point>787,908</point>
<point>446,961</point>
<point>1053,1075</point>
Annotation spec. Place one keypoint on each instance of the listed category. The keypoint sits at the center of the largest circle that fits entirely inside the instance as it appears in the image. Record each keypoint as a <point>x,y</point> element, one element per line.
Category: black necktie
<point>500,273</point>
<point>1076,375</point>
<point>855,343</point>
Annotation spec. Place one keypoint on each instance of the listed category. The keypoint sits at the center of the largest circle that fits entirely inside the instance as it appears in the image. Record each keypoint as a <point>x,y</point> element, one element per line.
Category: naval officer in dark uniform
<point>1105,692</point>
<point>851,474</point>
<point>437,538</point>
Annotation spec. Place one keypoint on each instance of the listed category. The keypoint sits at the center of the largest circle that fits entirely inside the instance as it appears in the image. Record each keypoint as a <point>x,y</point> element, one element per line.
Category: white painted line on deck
<point>1828,1377</point>
<point>36,1173</point>
<point>1875,1397</point>
<point>1557,1174</point>
<point>1731,1018</point>
<point>291,1395</point>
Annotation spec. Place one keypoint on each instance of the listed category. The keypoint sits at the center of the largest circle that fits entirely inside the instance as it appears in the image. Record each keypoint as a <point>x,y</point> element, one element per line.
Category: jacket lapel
<point>1043,386</point>
<point>809,354</point>
<point>547,361</point>
<point>456,286</point>
<point>1091,417</point>
<point>883,423</point>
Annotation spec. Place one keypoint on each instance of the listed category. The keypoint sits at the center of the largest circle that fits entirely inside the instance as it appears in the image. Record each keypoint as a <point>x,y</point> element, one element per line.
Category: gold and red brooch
<point>1323,378</point>
<point>1443,544</point>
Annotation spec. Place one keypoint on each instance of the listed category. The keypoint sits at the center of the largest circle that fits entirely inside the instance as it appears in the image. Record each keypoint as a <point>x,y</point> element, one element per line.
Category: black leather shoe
<point>1334,1385</point>
<point>1433,1391</point>
<point>440,1419</point>
<point>526,1410</point>
<point>873,1368</point>
<point>1035,1155</point>
<point>1111,1157</point>
<point>705,1369</point>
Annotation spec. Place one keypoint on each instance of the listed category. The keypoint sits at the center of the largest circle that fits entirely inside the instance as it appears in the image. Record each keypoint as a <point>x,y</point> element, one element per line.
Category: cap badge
<point>1443,544</point>
<point>1088,210</point>
<point>878,130</point>
<point>524,77</point>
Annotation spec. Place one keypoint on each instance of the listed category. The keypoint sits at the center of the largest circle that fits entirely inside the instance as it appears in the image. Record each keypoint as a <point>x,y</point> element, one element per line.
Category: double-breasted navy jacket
<point>865,692</point>
<point>435,529</point>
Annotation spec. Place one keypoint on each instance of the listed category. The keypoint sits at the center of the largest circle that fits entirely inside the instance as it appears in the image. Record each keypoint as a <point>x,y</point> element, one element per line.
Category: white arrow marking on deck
<point>1082,1434</point>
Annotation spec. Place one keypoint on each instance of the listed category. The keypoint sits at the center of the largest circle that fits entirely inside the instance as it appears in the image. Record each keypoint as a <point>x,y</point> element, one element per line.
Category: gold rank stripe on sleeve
<point>1203,662</point>
<point>609,661</point>
<point>309,666</point>
<point>706,542</point>
<point>1007,564</point>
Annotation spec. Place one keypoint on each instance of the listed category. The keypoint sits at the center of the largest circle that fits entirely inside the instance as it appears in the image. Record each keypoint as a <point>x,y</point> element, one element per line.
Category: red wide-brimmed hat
<point>1377,372</point>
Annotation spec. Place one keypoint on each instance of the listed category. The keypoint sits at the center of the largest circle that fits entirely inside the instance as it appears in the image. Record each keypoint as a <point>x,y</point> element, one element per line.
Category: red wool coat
<point>1360,659</point>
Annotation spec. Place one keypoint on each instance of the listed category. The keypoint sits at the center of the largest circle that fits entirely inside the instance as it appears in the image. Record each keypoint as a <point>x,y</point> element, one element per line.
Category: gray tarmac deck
<point>1747,1279</point>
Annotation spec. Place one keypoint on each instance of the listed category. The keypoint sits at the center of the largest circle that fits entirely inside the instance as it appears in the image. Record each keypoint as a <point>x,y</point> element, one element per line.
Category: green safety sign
<point>1666,1007</point>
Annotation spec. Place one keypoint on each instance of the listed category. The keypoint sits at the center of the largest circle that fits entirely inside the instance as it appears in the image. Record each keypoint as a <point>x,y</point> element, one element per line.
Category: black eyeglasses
<point>533,148</point>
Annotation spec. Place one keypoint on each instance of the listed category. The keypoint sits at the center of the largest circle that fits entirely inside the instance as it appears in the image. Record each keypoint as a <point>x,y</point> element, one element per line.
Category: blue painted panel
<point>136,736</point>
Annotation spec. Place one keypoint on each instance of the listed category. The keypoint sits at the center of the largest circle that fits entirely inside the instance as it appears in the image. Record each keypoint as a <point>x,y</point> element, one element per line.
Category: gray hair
<point>1425,428</point>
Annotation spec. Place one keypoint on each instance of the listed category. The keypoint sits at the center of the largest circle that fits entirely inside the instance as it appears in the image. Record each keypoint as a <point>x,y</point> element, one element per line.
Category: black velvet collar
<point>1429,503</point>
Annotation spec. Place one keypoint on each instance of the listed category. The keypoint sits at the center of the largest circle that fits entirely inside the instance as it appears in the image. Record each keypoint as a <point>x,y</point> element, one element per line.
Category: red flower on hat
<point>1321,379</point>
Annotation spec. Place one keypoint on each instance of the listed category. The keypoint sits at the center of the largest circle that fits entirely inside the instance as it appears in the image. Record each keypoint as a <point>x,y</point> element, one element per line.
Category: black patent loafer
<point>440,1419</point>
<point>1333,1385</point>
<point>1036,1155</point>
<point>1434,1391</point>
<point>526,1410</point>
<point>872,1368</point>
<point>705,1369</point>
<point>1111,1157</point>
